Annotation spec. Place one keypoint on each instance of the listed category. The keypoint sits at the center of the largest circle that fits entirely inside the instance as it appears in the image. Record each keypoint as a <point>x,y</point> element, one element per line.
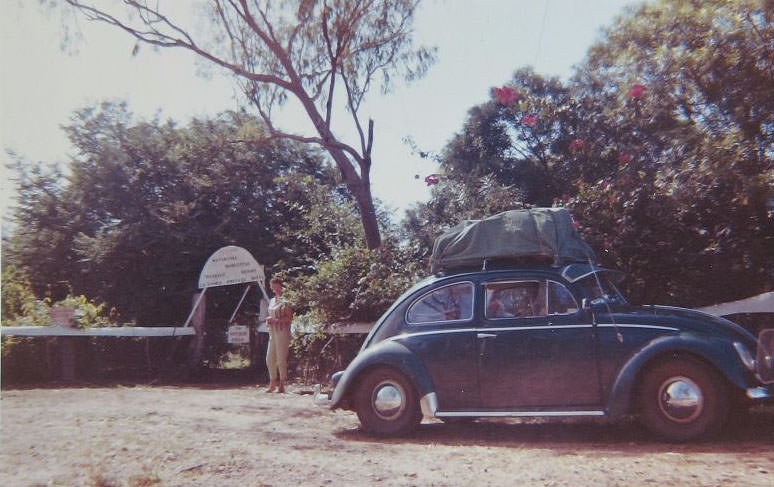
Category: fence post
<point>198,319</point>
<point>67,358</point>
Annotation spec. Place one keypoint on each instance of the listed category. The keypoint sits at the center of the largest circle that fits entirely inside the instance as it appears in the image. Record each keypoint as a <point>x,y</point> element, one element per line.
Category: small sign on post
<point>238,335</point>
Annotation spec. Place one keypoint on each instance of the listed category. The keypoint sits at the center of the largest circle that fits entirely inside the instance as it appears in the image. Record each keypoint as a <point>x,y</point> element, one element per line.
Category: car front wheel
<point>386,403</point>
<point>682,399</point>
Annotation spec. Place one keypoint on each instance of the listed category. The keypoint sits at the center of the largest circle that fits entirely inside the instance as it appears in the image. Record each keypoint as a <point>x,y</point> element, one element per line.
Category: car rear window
<point>453,302</point>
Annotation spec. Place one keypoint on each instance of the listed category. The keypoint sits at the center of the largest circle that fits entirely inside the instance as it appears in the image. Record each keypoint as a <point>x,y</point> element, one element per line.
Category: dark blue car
<point>549,342</point>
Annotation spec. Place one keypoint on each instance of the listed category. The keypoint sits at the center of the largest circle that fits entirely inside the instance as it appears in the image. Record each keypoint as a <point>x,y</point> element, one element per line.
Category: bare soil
<point>241,436</point>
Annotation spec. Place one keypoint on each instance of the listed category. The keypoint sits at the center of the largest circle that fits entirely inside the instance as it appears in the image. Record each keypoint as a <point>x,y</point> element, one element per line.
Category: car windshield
<point>600,285</point>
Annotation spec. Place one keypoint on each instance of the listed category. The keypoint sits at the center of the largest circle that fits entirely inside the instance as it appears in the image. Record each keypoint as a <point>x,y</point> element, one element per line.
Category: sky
<point>480,45</point>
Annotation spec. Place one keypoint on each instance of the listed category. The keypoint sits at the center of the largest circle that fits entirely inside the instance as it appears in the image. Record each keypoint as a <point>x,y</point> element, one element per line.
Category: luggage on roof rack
<point>537,235</point>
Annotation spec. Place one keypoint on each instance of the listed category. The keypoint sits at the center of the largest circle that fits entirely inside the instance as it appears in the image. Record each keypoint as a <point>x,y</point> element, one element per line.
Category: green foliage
<point>319,353</point>
<point>331,275</point>
<point>689,216</point>
<point>662,145</point>
<point>18,300</point>
<point>353,284</point>
<point>34,359</point>
<point>87,313</point>
<point>146,203</point>
<point>22,308</point>
<point>521,143</point>
<point>318,218</point>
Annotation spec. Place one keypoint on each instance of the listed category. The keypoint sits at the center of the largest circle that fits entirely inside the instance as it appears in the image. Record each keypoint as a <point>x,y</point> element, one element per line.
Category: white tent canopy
<point>762,303</point>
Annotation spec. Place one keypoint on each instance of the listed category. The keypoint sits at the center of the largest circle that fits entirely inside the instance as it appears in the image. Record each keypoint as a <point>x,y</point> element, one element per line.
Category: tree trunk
<point>359,186</point>
<point>365,204</point>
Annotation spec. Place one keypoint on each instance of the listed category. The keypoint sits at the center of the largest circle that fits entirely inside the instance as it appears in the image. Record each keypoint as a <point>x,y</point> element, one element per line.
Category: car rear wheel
<point>682,399</point>
<point>386,403</point>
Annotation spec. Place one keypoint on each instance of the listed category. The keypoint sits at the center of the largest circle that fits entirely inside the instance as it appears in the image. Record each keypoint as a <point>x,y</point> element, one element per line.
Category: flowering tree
<point>681,98</point>
<point>316,52</point>
<point>662,144</point>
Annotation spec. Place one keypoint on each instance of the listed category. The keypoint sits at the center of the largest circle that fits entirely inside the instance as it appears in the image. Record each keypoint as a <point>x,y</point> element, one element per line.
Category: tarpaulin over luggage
<point>538,233</point>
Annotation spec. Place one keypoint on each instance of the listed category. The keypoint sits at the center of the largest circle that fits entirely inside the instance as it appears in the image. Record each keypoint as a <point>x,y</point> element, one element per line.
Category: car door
<point>534,350</point>
<point>440,332</point>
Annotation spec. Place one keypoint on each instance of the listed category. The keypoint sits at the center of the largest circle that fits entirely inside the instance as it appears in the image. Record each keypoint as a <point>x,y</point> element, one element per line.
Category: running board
<point>429,405</point>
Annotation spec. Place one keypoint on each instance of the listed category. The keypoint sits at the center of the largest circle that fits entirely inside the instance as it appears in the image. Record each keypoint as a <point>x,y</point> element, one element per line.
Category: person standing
<point>278,323</point>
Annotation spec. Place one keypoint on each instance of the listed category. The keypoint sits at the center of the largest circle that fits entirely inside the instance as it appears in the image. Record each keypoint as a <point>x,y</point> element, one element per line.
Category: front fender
<point>715,351</point>
<point>388,353</point>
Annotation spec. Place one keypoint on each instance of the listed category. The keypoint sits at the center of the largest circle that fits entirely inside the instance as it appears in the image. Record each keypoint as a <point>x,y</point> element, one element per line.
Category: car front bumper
<point>322,398</point>
<point>326,398</point>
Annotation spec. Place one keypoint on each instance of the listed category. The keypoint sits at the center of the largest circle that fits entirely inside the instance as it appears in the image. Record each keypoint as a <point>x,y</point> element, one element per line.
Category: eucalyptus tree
<point>324,54</point>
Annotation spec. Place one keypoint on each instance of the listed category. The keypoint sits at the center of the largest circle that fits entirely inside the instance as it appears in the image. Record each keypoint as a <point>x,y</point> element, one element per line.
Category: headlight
<point>745,356</point>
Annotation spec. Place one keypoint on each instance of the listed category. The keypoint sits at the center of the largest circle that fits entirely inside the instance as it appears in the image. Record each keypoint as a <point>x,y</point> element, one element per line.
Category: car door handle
<point>486,335</point>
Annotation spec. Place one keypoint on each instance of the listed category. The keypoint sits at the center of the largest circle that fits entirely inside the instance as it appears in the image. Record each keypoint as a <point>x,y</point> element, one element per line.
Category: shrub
<point>319,353</point>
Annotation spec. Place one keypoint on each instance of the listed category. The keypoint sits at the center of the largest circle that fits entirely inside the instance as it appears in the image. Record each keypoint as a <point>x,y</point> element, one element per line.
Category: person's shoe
<point>272,386</point>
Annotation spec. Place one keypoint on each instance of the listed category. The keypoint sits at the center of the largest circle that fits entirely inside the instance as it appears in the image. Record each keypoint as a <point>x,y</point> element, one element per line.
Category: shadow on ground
<point>752,432</point>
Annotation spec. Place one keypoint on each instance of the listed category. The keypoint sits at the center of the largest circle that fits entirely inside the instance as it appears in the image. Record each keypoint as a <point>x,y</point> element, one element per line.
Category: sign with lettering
<point>238,334</point>
<point>231,265</point>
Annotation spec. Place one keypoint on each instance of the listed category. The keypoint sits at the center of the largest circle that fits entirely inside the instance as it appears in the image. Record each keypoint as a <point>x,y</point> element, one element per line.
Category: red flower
<point>577,145</point>
<point>431,179</point>
<point>624,158</point>
<point>506,95</point>
<point>529,120</point>
<point>636,91</point>
<point>576,225</point>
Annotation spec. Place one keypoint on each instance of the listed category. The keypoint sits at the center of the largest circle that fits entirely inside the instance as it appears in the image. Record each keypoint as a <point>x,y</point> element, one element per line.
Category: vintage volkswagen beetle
<point>548,341</point>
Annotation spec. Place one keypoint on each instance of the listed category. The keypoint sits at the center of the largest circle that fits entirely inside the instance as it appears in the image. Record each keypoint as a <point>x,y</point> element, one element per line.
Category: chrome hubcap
<point>388,400</point>
<point>680,399</point>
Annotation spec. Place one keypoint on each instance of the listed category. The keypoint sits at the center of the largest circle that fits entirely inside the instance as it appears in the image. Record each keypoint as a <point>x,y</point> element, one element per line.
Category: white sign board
<point>231,265</point>
<point>238,334</point>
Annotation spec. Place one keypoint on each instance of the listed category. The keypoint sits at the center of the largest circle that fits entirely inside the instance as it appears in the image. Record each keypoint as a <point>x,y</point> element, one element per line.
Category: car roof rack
<point>498,264</point>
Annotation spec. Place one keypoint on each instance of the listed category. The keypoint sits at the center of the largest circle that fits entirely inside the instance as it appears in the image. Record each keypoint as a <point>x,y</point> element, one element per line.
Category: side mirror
<point>597,305</point>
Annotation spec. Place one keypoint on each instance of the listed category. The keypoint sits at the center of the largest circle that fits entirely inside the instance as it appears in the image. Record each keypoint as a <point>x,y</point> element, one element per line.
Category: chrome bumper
<point>321,398</point>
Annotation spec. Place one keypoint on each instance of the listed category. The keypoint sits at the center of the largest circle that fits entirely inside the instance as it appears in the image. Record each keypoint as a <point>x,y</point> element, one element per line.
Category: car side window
<point>448,303</point>
<point>516,299</point>
<point>560,300</point>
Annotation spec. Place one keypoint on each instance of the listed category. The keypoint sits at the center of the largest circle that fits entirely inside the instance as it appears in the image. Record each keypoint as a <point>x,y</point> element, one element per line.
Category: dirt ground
<point>240,436</point>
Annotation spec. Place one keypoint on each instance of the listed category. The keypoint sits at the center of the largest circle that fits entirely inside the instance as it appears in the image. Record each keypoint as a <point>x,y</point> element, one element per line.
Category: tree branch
<point>333,64</point>
<point>157,38</point>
